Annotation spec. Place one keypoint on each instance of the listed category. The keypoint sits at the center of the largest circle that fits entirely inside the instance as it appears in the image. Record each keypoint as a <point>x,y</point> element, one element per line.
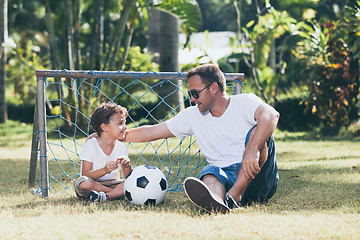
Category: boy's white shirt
<point>221,139</point>
<point>93,153</point>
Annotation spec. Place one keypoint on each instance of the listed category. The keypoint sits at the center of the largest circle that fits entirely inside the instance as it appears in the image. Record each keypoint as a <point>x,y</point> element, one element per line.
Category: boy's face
<point>117,126</point>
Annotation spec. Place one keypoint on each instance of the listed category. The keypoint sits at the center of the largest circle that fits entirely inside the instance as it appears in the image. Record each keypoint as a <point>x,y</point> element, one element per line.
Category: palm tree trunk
<point>154,34</point>
<point>99,33</point>
<point>69,32</point>
<point>3,58</point>
<point>169,60</point>
<point>54,57</point>
<point>77,22</point>
<point>118,33</point>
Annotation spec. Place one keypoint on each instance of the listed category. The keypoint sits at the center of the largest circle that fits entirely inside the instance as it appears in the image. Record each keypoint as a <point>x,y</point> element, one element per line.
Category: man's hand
<point>251,163</point>
<point>93,135</point>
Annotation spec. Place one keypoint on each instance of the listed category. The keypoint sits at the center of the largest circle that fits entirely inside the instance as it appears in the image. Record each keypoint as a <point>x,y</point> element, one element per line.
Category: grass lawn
<point>318,197</point>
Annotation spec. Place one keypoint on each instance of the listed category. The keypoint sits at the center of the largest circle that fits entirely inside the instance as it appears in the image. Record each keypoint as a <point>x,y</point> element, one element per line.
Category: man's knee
<point>209,178</point>
<point>214,184</point>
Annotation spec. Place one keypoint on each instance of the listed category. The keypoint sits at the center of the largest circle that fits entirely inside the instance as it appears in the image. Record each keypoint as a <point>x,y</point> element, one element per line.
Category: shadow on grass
<point>319,188</point>
<point>175,203</point>
<point>312,136</point>
<point>313,187</point>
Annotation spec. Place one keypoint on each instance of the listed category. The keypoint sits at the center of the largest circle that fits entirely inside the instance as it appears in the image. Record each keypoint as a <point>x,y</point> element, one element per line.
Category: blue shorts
<point>262,187</point>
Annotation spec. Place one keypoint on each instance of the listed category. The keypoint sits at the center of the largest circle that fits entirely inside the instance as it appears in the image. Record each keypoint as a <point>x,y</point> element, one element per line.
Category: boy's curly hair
<point>103,113</point>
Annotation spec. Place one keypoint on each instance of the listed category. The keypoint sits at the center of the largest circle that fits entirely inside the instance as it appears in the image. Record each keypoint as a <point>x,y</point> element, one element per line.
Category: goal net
<point>66,100</point>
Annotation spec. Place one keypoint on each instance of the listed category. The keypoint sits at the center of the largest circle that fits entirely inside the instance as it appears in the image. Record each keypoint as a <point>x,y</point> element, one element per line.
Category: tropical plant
<point>263,46</point>
<point>333,76</point>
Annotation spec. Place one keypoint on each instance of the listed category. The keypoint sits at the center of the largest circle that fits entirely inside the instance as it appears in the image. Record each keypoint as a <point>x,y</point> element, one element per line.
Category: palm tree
<point>3,58</point>
<point>164,31</point>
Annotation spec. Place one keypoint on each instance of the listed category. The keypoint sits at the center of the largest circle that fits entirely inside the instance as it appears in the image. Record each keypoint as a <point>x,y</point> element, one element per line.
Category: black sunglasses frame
<point>195,94</point>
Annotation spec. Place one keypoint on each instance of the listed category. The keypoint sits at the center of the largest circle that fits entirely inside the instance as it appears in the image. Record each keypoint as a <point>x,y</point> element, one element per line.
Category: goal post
<point>64,103</point>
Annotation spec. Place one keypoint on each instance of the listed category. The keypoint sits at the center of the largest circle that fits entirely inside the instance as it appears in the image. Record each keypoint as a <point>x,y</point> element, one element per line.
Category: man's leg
<point>264,186</point>
<point>202,196</point>
<point>214,185</point>
<point>208,192</point>
<point>242,183</point>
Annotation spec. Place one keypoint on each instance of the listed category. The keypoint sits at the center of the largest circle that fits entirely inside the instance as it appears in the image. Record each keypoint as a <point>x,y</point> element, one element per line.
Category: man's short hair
<point>103,113</point>
<point>209,73</point>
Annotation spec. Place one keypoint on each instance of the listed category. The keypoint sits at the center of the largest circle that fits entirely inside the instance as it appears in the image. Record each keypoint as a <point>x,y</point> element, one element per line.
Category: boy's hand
<point>111,166</point>
<point>124,161</point>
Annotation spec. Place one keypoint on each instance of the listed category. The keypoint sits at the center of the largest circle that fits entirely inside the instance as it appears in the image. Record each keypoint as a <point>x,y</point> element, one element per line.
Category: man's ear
<point>214,87</point>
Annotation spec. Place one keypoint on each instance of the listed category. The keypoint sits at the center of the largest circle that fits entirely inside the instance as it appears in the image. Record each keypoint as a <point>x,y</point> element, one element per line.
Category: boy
<point>100,157</point>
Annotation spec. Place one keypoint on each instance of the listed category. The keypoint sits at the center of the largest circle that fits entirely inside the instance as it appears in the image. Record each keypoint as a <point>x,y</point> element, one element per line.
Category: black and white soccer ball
<point>145,185</point>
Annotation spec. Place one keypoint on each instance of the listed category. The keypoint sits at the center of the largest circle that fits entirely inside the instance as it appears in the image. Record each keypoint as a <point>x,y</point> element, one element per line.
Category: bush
<point>21,112</point>
<point>294,116</point>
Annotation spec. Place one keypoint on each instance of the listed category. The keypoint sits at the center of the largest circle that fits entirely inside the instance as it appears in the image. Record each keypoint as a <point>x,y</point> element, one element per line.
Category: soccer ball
<point>145,185</point>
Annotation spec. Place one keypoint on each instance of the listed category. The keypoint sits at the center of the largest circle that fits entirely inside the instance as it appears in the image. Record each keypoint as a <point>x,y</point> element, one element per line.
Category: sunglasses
<point>195,94</point>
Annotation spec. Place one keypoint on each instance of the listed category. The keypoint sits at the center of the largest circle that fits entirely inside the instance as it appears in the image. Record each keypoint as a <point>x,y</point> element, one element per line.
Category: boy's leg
<point>83,185</point>
<point>117,189</point>
<point>113,189</point>
<point>80,192</point>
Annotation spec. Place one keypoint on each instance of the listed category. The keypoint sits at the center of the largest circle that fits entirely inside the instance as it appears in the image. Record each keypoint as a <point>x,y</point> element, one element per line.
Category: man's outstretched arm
<point>148,133</point>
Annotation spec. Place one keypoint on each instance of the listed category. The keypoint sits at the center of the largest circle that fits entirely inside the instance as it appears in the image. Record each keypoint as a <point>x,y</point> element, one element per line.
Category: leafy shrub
<point>294,116</point>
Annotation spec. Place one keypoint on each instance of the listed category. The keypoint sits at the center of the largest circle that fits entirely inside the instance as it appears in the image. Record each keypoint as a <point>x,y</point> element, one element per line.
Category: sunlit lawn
<point>318,198</point>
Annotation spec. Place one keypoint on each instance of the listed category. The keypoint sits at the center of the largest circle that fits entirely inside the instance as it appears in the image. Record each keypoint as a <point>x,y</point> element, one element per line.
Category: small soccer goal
<point>66,99</point>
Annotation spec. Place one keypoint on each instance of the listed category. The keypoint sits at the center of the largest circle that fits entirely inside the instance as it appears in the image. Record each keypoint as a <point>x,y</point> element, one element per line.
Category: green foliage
<point>23,112</point>
<point>186,10</point>
<point>333,75</point>
<point>139,61</point>
<point>295,116</point>
<point>267,38</point>
<point>24,60</point>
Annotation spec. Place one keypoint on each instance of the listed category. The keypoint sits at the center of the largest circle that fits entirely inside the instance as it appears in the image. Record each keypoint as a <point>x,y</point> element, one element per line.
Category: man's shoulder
<point>189,111</point>
<point>244,96</point>
<point>191,108</point>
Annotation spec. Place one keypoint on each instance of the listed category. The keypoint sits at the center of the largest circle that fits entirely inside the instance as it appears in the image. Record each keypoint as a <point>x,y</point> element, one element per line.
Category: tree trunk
<point>69,32</point>
<point>3,58</point>
<point>116,39</point>
<point>169,58</point>
<point>99,33</point>
<point>153,43</point>
<point>77,24</point>
<point>127,45</point>
<point>54,57</point>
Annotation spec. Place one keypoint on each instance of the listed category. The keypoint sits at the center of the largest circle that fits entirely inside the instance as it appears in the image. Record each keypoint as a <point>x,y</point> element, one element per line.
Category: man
<point>223,125</point>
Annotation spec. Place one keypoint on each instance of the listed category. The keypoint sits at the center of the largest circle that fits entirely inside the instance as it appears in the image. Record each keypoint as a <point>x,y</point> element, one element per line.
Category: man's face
<point>199,93</point>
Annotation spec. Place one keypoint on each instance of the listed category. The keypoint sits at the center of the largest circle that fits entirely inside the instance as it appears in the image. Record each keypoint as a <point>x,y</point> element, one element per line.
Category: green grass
<point>318,198</point>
